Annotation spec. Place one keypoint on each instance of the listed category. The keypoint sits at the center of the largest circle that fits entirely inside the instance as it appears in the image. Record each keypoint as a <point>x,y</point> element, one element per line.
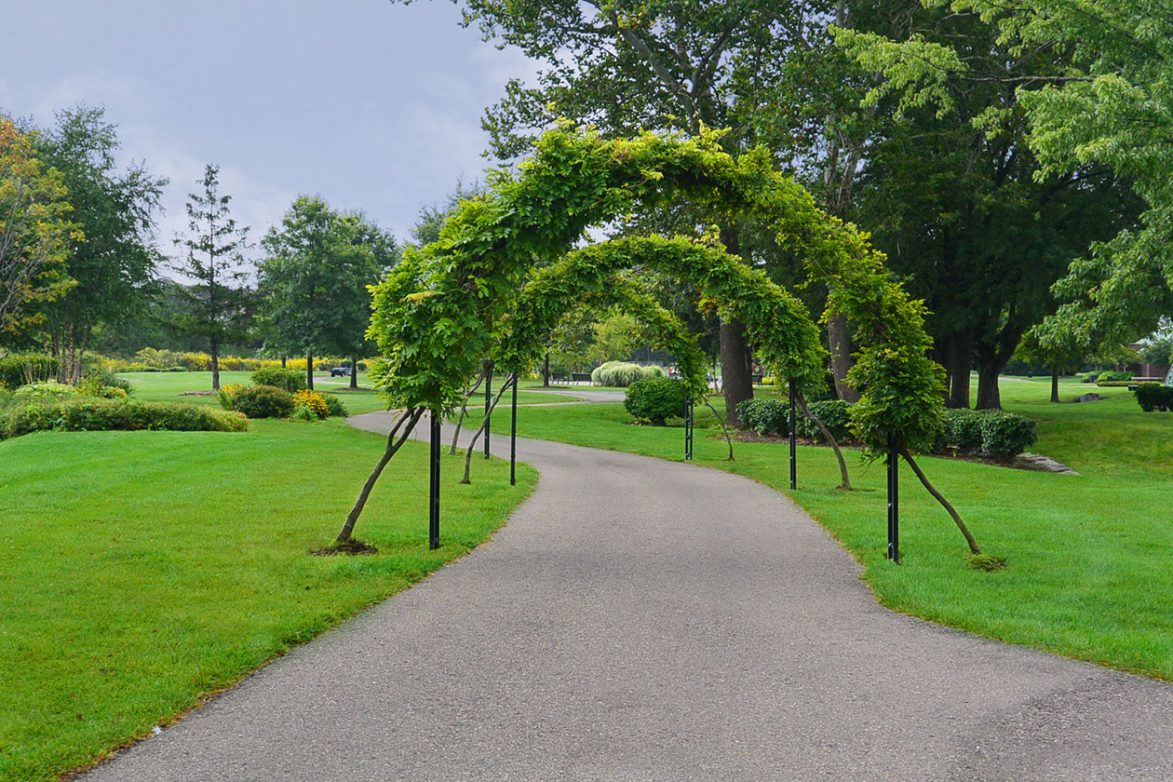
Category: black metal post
<point>688,429</point>
<point>793,438</point>
<point>513,437</point>
<point>488,401</point>
<point>893,501</point>
<point>434,491</point>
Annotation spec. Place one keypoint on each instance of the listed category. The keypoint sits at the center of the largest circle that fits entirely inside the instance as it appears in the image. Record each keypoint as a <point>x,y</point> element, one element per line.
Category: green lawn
<point>168,386</point>
<point>1089,573</point>
<point>145,570</point>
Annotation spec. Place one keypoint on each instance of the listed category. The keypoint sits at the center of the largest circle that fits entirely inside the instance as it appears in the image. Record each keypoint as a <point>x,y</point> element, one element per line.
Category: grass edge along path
<point>147,571</point>
<point>1088,574</point>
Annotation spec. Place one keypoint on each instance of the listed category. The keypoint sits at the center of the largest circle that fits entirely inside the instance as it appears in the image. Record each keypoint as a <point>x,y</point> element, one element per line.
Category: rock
<point>1087,398</point>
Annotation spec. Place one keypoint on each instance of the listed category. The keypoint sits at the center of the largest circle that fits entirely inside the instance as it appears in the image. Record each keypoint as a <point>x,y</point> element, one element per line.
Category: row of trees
<point>1010,157</point>
<point>80,265</point>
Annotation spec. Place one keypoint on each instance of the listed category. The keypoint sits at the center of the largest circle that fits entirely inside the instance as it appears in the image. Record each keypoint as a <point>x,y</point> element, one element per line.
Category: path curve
<point>639,619</point>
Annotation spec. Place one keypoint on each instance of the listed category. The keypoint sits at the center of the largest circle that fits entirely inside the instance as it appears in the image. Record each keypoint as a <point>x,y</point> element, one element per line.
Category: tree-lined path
<point>639,619</point>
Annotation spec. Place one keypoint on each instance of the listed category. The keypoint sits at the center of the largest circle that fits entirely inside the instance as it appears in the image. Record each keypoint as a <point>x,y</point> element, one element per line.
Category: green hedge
<point>772,417</point>
<point>87,414</point>
<point>258,401</point>
<point>623,373</point>
<point>1154,396</point>
<point>18,369</point>
<point>655,399</point>
<point>289,379</point>
<point>986,433</point>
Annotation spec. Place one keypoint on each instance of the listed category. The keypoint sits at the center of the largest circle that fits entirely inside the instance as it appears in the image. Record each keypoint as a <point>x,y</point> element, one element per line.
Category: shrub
<point>335,406</point>
<point>50,389</point>
<point>764,416</point>
<point>655,399</point>
<point>834,415</point>
<point>20,369</point>
<point>289,379</point>
<point>312,401</point>
<point>87,414</point>
<point>1154,396</point>
<point>261,401</point>
<point>962,432</point>
<point>1090,377</point>
<point>623,373</point>
<point>92,385</point>
<point>1116,376</point>
<point>1005,435</point>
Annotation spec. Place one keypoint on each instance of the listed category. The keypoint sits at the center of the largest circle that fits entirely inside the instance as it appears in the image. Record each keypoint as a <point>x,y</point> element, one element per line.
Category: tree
<point>980,229</point>
<point>664,65</point>
<point>212,254</point>
<point>35,231</point>
<point>114,264</point>
<point>314,282</point>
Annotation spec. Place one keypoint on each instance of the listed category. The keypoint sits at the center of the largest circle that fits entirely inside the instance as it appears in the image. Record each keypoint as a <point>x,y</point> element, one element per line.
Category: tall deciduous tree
<point>212,254</point>
<point>314,281</point>
<point>114,264</point>
<point>35,231</point>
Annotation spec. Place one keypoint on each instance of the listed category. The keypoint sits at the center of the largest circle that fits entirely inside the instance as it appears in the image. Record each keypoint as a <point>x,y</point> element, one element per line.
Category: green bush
<point>1114,376</point>
<point>49,389</point>
<point>655,399</point>
<point>963,431</point>
<point>20,369</point>
<point>1114,383</point>
<point>1005,435</point>
<point>832,412</point>
<point>290,380</point>
<point>1154,396</point>
<point>335,406</point>
<point>623,374</point>
<point>764,416</point>
<point>88,414</point>
<point>259,401</point>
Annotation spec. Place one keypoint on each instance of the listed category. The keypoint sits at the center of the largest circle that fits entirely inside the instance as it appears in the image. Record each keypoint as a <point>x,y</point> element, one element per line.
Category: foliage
<point>114,264</point>
<point>49,389</point>
<point>258,401</point>
<point>312,401</point>
<point>986,433</point>
<point>35,231</point>
<point>212,254</point>
<point>622,374</point>
<point>771,417</point>
<point>93,385</point>
<point>287,378</point>
<point>75,413</point>
<point>655,399</point>
<point>765,415</point>
<point>833,413</point>
<point>1154,396</point>
<point>316,276</point>
<point>18,369</point>
<point>334,406</point>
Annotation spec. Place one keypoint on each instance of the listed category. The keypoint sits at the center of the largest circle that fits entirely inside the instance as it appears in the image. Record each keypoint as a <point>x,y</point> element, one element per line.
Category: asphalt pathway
<point>639,619</point>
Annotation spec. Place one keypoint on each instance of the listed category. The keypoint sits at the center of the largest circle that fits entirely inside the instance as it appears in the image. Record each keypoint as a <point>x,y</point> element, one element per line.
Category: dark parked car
<point>340,371</point>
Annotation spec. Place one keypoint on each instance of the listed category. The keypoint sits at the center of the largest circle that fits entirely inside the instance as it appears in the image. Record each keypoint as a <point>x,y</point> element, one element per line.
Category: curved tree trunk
<point>973,546</point>
<point>464,411</point>
<point>481,429</point>
<point>840,347</point>
<point>845,483</point>
<point>410,416</point>
<point>724,428</point>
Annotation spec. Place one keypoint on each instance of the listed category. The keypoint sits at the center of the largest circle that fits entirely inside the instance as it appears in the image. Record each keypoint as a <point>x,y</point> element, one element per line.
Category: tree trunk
<point>1055,385</point>
<point>215,365</point>
<point>546,371</point>
<point>464,412</point>
<point>841,362</point>
<point>309,371</point>
<point>988,397</point>
<point>845,479</point>
<point>283,362</point>
<point>973,546</point>
<point>724,428</point>
<point>481,429</point>
<point>411,416</point>
<point>736,377</point>
<point>958,360</point>
<point>354,373</point>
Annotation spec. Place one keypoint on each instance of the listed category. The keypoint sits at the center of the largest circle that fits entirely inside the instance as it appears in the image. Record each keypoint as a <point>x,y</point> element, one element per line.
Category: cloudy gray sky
<point>371,105</point>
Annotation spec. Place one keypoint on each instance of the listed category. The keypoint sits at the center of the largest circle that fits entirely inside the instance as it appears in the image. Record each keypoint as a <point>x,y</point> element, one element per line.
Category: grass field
<point>1089,571</point>
<point>145,570</point>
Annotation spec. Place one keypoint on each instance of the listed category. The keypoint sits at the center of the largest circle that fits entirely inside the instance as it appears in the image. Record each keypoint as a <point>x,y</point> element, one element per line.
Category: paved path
<point>644,620</point>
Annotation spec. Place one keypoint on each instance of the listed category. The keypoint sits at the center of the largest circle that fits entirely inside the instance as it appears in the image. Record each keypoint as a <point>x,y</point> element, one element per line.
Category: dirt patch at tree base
<point>350,547</point>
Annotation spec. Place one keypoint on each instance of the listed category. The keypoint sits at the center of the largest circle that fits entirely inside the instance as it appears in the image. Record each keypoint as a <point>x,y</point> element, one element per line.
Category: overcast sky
<point>371,105</point>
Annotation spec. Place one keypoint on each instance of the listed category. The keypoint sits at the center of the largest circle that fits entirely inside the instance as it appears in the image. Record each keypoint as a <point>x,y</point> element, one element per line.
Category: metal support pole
<point>434,491</point>
<point>688,429</point>
<point>893,501</point>
<point>793,438</point>
<point>513,437</point>
<point>488,401</point>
